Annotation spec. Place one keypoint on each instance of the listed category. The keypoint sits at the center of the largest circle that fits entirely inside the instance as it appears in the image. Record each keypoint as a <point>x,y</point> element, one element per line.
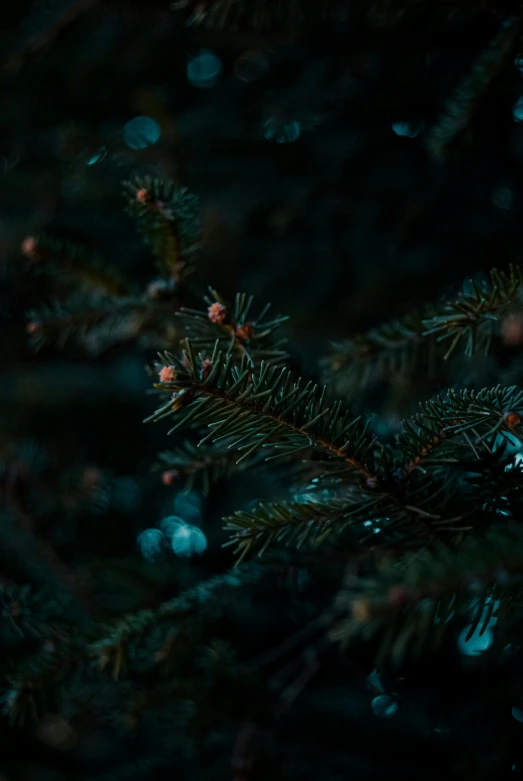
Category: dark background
<point>346,226</point>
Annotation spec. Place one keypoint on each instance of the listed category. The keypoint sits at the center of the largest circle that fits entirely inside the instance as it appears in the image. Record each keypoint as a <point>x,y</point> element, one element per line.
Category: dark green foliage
<point>474,317</point>
<point>154,643</point>
<point>468,95</point>
<point>296,15</point>
<point>169,219</point>
<point>408,488</point>
<point>263,409</point>
<point>385,352</point>
<point>419,343</point>
<point>448,427</point>
<point>483,414</point>
<point>28,614</point>
<point>311,523</point>
<point>200,467</point>
<point>414,602</point>
<point>398,535</point>
<point>203,596</point>
<point>258,14</point>
<point>408,496</point>
<point>75,265</point>
<point>80,317</point>
<point>412,499</point>
<point>99,308</point>
<point>236,330</point>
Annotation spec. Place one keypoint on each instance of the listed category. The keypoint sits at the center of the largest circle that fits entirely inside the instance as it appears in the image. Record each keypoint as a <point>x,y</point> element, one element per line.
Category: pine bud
<point>244,332</point>
<point>167,374</point>
<point>142,195</point>
<point>217,313</point>
<point>512,330</point>
<point>28,248</point>
<point>206,368</point>
<point>170,476</point>
<point>512,419</point>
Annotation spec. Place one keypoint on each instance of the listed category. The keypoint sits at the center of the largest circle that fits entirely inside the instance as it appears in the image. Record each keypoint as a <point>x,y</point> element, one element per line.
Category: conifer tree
<point>356,607</point>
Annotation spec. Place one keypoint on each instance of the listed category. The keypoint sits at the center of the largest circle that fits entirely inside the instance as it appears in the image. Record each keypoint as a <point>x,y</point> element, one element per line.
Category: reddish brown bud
<point>29,247</point>
<point>170,476</point>
<point>167,374</point>
<point>206,368</point>
<point>512,419</point>
<point>142,195</point>
<point>512,330</point>
<point>217,313</point>
<point>33,328</point>
<point>244,332</point>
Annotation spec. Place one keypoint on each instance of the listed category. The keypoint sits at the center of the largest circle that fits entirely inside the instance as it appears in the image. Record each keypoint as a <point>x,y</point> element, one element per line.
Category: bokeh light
<point>141,132</point>
<point>384,706</point>
<point>187,540</point>
<point>203,71</point>
<point>281,132</point>
<point>517,110</point>
<point>150,543</point>
<point>407,129</point>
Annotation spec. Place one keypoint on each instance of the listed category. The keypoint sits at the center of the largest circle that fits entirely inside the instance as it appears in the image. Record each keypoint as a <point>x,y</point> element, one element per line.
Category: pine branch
<point>103,310</point>
<point>168,218</point>
<point>161,638</point>
<point>26,613</point>
<point>82,316</point>
<point>422,442</point>
<point>469,93</point>
<point>200,467</point>
<point>257,410</point>
<point>474,317</point>
<point>495,482</point>
<point>75,265</point>
<point>429,443</point>
<point>311,523</point>
<point>470,322</point>
<point>451,430</point>
<point>256,14</point>
<point>146,637</point>
<point>445,435</point>
<point>236,331</point>
<point>412,604</point>
<point>390,350</point>
<point>480,414</point>
<point>267,410</point>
